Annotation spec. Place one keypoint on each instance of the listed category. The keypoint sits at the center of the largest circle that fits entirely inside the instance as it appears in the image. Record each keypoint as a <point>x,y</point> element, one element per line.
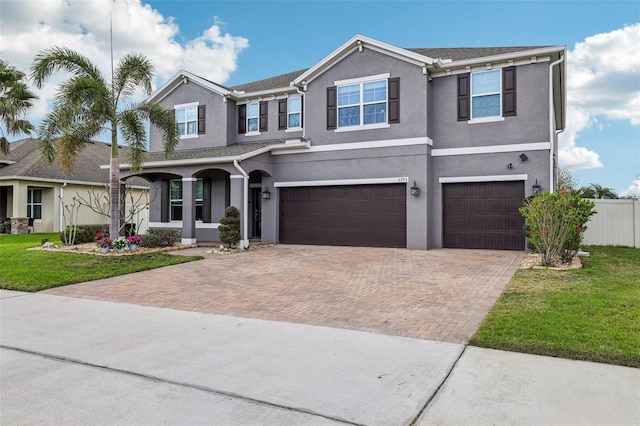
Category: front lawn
<point>590,314</point>
<point>34,270</point>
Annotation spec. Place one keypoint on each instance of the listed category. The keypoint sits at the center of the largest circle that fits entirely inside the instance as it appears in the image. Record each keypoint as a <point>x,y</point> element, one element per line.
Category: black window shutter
<point>394,100</point>
<point>206,200</point>
<point>464,97</point>
<point>332,110</point>
<point>242,119</point>
<point>164,200</point>
<point>301,109</point>
<point>263,116</point>
<point>202,109</point>
<point>509,91</point>
<point>282,114</point>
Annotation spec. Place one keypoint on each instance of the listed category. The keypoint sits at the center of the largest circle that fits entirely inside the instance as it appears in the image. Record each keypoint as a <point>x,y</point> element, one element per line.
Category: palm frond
<point>133,72</point>
<point>55,59</point>
<point>4,145</point>
<point>67,149</point>
<point>132,126</point>
<point>165,121</point>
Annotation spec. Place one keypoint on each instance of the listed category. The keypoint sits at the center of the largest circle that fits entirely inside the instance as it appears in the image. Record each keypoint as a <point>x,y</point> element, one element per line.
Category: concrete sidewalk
<point>78,361</point>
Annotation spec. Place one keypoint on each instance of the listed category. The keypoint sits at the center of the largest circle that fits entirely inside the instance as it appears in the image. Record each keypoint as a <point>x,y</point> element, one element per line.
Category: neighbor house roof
<point>24,161</point>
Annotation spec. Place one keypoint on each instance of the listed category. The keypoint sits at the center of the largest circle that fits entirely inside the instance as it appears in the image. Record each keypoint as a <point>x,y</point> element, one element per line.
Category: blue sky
<point>234,42</point>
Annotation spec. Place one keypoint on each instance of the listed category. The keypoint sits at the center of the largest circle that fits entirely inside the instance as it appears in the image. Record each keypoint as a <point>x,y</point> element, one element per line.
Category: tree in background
<point>595,190</point>
<point>87,104</point>
<point>566,180</point>
<point>15,102</point>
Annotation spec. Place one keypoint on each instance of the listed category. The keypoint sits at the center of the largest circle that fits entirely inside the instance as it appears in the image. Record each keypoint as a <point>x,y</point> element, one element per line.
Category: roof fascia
<point>49,180</point>
<point>183,77</point>
<point>261,93</point>
<point>217,160</point>
<point>356,42</point>
<point>505,57</point>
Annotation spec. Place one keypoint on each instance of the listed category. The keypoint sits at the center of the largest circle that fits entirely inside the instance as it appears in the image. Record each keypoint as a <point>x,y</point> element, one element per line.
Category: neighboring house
<point>374,145</point>
<point>31,188</point>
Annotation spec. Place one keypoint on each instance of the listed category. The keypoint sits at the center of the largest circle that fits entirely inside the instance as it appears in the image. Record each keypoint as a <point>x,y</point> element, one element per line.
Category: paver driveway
<point>436,294</point>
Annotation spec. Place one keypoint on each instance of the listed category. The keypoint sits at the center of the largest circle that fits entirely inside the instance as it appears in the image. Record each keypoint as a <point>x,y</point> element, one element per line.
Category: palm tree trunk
<point>114,185</point>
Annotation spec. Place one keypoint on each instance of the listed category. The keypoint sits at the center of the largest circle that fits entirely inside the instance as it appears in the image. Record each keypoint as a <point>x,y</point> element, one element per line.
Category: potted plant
<point>134,242</point>
<point>105,244</point>
<point>5,226</point>
<point>120,244</point>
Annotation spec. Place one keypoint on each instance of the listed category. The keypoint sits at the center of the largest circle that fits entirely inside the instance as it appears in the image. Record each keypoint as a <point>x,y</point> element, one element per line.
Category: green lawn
<point>590,314</point>
<point>34,270</point>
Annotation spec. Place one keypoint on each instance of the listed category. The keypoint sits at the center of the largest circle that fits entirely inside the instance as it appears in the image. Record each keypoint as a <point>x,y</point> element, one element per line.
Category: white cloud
<point>633,190</point>
<point>602,85</point>
<point>29,26</point>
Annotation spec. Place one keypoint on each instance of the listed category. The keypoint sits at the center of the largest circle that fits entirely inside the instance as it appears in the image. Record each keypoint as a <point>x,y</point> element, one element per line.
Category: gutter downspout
<point>61,223</point>
<point>552,132</point>
<point>245,205</point>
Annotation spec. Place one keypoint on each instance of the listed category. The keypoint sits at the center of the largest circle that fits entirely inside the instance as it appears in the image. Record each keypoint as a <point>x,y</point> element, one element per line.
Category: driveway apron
<point>437,294</point>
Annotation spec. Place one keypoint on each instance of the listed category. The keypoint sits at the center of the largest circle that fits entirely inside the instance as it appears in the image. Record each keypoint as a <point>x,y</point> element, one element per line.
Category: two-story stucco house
<point>374,145</point>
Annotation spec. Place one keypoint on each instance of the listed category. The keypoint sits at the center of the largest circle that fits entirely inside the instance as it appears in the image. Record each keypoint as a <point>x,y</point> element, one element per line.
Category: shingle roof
<point>462,53</point>
<point>28,163</point>
<point>215,152</point>
<point>453,53</point>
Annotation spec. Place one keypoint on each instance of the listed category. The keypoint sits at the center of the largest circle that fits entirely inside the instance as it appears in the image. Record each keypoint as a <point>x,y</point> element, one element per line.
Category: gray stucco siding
<point>215,118</point>
<point>413,93</point>
<point>530,125</point>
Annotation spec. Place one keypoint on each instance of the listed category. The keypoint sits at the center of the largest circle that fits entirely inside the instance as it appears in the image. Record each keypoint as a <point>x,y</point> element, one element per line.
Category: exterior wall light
<point>266,194</point>
<point>415,191</point>
<point>536,188</point>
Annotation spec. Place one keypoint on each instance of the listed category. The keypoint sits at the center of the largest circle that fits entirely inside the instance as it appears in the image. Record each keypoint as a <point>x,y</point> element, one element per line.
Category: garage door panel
<point>483,215</point>
<point>356,215</point>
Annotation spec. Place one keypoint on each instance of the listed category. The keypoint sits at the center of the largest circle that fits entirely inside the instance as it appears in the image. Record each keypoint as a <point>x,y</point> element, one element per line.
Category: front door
<point>255,199</point>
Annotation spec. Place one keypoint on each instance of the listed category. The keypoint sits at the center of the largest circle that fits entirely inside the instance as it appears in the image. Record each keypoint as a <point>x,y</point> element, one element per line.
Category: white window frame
<point>186,122</point>
<point>31,204</point>
<point>199,201</point>
<point>361,81</point>
<point>175,200</point>
<point>290,113</point>
<point>256,117</point>
<point>491,118</point>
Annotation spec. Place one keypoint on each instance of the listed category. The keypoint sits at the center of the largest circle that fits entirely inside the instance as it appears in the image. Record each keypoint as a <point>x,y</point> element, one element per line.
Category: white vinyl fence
<point>616,222</point>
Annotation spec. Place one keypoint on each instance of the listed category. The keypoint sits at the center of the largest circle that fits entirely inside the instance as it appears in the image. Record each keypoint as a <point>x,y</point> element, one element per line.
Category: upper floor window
<point>253,115</point>
<point>361,103</point>
<point>190,119</point>
<point>487,95</point>
<point>34,203</point>
<point>252,118</point>
<point>290,113</point>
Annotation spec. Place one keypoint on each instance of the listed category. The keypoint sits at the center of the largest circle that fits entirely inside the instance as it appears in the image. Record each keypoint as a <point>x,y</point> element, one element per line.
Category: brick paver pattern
<point>436,295</point>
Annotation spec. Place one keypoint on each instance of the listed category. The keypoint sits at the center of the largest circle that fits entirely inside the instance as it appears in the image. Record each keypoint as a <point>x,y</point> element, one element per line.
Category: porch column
<point>188,211</point>
<point>237,200</point>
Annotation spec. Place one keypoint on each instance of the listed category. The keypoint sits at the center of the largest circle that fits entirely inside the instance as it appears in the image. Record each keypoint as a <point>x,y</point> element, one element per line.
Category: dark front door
<point>353,215</point>
<point>483,215</point>
<point>255,198</point>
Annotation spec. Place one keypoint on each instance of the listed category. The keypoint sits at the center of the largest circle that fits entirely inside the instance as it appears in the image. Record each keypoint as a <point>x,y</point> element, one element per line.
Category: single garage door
<point>354,215</point>
<point>483,215</point>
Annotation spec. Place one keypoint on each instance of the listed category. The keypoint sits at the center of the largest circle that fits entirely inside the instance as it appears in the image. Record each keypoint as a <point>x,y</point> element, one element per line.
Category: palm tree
<point>87,104</point>
<point>15,102</point>
<point>595,190</point>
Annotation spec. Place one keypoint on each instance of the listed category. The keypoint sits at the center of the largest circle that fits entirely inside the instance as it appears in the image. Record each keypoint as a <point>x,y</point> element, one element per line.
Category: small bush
<point>86,233</point>
<point>230,226</point>
<point>555,224</point>
<point>160,238</point>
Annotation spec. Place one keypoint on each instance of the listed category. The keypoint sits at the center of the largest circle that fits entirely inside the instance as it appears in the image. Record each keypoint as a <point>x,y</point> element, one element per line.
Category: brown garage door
<point>355,215</point>
<point>483,215</point>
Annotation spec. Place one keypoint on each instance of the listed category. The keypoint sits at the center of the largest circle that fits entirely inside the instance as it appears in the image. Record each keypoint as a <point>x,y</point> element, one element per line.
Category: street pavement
<point>78,361</point>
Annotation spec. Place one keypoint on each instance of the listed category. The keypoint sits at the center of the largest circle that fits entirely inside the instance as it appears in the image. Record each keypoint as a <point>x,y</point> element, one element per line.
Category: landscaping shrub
<point>85,233</point>
<point>555,224</point>
<point>230,226</point>
<point>160,238</point>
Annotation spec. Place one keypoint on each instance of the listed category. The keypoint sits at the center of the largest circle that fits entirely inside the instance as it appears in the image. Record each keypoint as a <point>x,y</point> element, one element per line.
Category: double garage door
<point>475,215</point>
<point>353,215</point>
<point>483,215</point>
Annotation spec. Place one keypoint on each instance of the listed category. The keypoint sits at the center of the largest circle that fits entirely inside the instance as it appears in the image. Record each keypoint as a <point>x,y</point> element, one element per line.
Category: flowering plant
<point>104,242</point>
<point>101,235</point>
<point>134,239</point>
<point>120,243</point>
